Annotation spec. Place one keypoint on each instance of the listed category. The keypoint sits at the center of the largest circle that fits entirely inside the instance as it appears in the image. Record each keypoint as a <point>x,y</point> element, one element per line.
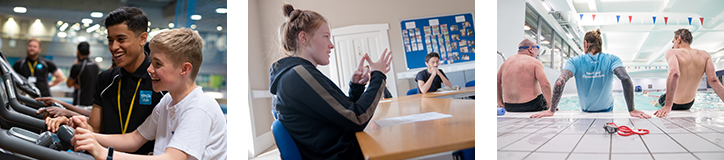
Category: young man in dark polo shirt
<point>127,34</point>
<point>35,68</point>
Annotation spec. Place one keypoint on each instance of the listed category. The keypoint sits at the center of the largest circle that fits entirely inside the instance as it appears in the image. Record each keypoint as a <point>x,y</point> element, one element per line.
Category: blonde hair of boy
<point>181,45</point>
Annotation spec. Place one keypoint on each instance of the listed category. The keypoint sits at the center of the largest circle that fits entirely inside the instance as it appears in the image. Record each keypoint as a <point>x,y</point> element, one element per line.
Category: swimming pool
<point>705,100</point>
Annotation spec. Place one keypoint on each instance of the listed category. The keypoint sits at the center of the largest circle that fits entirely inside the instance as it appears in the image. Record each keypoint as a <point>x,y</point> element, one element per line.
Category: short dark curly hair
<point>432,54</point>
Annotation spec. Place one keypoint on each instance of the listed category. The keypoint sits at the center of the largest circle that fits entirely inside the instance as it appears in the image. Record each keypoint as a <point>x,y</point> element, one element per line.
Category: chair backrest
<point>287,148</point>
<point>470,83</point>
<point>412,91</point>
<point>274,112</point>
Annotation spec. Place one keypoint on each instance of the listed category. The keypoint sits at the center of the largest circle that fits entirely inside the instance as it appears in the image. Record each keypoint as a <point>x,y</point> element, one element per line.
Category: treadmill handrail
<point>12,100</point>
<point>20,81</point>
<point>19,146</point>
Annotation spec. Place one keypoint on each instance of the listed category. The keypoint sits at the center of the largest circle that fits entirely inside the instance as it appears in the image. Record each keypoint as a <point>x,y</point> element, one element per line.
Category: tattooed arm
<point>628,92</point>
<point>557,93</point>
<point>627,86</point>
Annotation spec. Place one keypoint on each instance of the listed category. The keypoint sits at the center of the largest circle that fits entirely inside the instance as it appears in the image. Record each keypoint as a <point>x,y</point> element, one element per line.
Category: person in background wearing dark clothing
<point>430,79</point>
<point>36,69</point>
<point>320,118</point>
<point>83,77</point>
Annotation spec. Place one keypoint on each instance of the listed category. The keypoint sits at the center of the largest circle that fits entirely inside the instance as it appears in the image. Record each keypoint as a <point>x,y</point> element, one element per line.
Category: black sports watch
<point>110,153</point>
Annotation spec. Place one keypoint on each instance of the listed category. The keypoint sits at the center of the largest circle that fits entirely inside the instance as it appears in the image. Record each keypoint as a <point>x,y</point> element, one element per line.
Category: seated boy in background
<point>197,118</point>
<point>431,79</point>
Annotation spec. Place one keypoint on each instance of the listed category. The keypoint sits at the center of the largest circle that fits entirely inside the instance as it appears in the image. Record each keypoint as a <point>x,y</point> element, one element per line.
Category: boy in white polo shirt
<point>186,124</point>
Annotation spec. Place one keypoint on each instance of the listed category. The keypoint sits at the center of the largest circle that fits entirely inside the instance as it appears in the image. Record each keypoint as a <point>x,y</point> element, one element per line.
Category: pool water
<point>705,100</point>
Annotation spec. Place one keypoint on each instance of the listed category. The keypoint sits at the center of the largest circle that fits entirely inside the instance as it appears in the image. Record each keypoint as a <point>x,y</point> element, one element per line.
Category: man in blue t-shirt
<point>594,80</point>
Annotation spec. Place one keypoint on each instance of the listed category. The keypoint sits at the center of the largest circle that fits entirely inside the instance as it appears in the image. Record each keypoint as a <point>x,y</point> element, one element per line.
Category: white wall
<point>511,19</point>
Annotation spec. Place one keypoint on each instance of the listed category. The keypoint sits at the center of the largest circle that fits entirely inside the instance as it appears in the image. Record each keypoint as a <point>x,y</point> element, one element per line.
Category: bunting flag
<point>581,16</point>
<point>666,20</point>
<point>629,19</point>
<point>617,18</point>
<point>689,20</point>
<point>594,17</point>
<point>654,19</point>
<point>702,20</point>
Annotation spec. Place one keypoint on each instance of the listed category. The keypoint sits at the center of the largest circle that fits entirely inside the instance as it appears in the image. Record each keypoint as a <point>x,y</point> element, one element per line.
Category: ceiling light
<point>81,39</point>
<point>526,28</point>
<point>546,42</point>
<point>62,34</point>
<point>63,27</point>
<point>20,9</point>
<point>87,20</point>
<point>59,23</point>
<point>170,25</point>
<point>91,29</point>
<point>195,17</point>
<point>547,6</point>
<point>86,24</point>
<point>221,10</point>
<point>149,23</point>
<point>99,59</point>
<point>75,26</point>
<point>193,26</point>
<point>219,28</point>
<point>96,14</point>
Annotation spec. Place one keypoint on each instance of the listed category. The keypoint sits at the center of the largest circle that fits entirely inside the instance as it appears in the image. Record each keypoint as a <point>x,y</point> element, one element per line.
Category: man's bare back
<point>519,77</point>
<point>692,66</point>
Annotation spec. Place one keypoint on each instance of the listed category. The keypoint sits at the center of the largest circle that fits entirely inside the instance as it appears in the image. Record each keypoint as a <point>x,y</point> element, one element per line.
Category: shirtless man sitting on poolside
<point>686,68</point>
<point>521,79</point>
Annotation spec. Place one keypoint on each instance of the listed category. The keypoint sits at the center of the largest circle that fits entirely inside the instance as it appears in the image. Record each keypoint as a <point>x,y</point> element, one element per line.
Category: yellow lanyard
<point>32,68</point>
<point>125,127</point>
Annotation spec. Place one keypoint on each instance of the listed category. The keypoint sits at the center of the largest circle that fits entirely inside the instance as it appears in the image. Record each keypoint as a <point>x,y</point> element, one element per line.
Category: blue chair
<point>274,112</point>
<point>412,91</point>
<point>465,154</point>
<point>287,148</point>
<point>470,83</point>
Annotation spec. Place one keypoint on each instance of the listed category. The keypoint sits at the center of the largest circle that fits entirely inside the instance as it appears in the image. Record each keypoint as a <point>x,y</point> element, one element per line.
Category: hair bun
<point>598,31</point>
<point>287,10</point>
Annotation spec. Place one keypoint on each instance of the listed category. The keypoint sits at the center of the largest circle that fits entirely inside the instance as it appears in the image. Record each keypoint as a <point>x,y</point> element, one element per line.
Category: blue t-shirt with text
<point>594,80</point>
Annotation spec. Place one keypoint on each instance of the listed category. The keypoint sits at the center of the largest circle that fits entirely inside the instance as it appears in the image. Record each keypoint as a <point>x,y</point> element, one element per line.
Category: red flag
<point>666,20</point>
<point>629,19</point>
<point>702,20</point>
<point>594,17</point>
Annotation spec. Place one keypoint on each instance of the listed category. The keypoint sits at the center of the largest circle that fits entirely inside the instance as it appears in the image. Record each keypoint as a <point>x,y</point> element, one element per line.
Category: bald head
<point>532,51</point>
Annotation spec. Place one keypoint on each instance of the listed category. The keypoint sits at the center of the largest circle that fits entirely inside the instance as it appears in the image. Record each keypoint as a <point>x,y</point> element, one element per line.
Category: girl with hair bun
<point>594,72</point>
<point>320,118</point>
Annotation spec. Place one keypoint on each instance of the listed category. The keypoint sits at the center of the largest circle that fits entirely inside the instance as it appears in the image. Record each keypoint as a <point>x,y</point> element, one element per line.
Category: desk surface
<point>430,95</point>
<point>419,138</point>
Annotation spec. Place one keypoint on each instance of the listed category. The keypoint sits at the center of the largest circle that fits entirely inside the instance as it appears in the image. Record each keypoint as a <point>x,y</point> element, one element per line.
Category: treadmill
<point>20,142</point>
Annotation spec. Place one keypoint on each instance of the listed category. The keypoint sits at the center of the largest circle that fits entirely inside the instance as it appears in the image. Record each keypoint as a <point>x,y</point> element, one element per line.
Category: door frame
<point>381,29</point>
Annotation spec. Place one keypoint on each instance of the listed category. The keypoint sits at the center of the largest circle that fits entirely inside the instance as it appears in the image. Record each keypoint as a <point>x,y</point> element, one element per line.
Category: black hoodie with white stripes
<point>320,118</point>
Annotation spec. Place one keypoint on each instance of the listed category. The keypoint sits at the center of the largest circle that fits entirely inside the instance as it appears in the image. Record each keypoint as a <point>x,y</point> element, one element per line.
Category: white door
<point>350,44</point>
